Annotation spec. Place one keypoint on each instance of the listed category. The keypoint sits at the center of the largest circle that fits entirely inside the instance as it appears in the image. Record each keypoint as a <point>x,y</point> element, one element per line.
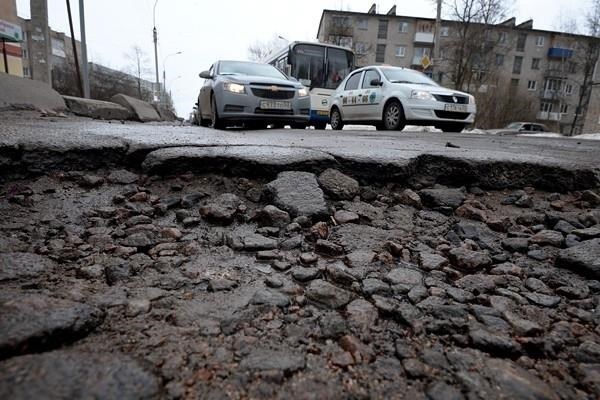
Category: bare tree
<point>470,51</point>
<point>339,31</point>
<point>138,66</point>
<point>259,51</point>
<point>589,54</point>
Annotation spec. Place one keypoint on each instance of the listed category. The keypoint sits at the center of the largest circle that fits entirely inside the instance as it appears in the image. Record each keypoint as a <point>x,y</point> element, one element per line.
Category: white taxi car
<point>392,97</point>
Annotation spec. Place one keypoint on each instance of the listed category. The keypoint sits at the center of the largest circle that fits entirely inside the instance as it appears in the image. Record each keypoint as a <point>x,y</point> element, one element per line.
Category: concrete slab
<point>96,108</point>
<point>165,115</point>
<point>23,93</point>
<point>141,110</point>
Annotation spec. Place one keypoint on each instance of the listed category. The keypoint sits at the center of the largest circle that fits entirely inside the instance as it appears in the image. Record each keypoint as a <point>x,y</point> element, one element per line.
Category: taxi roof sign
<point>10,32</point>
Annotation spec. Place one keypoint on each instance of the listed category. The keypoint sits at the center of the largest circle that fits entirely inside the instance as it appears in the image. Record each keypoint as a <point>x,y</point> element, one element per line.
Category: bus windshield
<point>318,66</point>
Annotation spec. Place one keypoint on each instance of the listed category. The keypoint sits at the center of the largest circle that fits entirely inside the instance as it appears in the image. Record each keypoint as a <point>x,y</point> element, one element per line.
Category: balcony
<point>549,94</point>
<point>424,37</point>
<point>549,116</point>
<point>559,52</point>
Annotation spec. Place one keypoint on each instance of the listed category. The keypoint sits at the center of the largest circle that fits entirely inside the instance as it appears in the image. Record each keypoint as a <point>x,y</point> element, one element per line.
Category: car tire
<point>320,125</point>
<point>393,116</point>
<point>335,120</point>
<point>215,122</point>
<point>297,125</point>
<point>456,127</point>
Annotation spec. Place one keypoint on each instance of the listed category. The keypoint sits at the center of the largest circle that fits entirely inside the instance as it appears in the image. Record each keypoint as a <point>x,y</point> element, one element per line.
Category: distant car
<point>392,97</point>
<point>527,127</point>
<point>253,94</point>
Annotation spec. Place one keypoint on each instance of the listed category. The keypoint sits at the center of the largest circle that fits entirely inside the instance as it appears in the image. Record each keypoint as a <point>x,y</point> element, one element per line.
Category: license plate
<point>275,105</point>
<point>323,113</point>
<point>456,107</point>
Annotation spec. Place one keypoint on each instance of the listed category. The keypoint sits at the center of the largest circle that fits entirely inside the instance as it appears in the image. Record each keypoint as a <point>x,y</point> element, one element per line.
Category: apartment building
<point>538,73</point>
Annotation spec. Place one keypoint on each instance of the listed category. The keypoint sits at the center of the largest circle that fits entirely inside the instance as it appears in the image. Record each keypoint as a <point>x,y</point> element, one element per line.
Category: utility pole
<point>74,44</point>
<point>436,39</point>
<point>155,37</point>
<point>84,59</point>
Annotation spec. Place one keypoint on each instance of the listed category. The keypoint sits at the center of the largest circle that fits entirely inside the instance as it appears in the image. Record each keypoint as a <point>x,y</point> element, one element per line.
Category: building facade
<point>516,72</point>
<point>9,50</point>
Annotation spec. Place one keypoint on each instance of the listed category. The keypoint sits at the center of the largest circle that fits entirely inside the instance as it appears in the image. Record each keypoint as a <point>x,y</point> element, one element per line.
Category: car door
<point>205,91</point>
<point>349,96</point>
<point>369,107</point>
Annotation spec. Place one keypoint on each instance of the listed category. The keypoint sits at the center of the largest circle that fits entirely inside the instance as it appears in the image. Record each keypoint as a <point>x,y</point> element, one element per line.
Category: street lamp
<point>155,37</point>
<point>164,66</point>
<point>165,74</point>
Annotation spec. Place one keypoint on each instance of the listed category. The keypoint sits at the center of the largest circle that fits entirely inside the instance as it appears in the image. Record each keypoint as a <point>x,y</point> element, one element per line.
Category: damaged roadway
<point>154,261</point>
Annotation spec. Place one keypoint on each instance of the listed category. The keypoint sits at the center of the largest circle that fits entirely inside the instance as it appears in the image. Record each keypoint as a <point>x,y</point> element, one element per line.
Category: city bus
<point>318,66</point>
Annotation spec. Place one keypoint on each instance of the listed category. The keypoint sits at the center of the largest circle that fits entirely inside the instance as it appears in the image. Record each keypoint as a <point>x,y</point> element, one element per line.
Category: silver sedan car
<point>392,97</point>
<point>253,94</point>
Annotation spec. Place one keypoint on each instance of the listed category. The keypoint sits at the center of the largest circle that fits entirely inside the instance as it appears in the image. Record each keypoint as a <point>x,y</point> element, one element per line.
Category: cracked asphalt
<point>158,261</point>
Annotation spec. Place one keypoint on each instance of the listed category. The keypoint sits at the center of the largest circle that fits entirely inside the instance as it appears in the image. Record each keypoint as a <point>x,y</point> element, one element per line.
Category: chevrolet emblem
<point>274,88</point>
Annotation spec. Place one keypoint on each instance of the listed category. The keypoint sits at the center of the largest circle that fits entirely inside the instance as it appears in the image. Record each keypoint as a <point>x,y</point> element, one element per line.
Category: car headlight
<point>420,95</point>
<point>471,99</point>
<point>234,87</point>
<point>303,92</point>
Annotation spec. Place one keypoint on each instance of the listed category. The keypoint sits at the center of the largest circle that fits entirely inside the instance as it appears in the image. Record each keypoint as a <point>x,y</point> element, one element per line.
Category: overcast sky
<point>224,29</point>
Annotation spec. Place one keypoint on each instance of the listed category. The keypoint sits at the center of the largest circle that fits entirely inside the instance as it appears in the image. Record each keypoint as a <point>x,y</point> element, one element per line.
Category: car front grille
<point>450,99</point>
<point>268,93</point>
<point>273,112</point>
<point>451,114</point>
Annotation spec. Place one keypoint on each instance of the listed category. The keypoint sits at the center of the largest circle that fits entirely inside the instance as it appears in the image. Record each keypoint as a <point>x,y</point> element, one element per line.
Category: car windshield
<point>514,125</point>
<point>402,75</point>
<point>249,68</point>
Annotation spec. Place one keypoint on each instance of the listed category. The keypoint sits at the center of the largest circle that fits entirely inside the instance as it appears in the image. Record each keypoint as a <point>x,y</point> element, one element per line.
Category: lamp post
<point>155,37</point>
<point>165,74</point>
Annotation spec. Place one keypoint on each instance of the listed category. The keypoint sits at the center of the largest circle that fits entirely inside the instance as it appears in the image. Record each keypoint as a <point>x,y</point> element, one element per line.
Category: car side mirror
<point>205,75</point>
<point>376,82</point>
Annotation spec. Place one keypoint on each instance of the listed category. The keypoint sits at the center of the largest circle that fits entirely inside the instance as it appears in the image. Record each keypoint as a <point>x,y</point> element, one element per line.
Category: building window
<point>553,84</point>
<point>426,28</point>
<point>380,54</point>
<point>341,22</point>
<point>25,71</point>
<point>363,24</point>
<point>535,63</point>
<point>545,106</point>
<point>400,51</point>
<point>383,28</point>
<point>58,48</point>
<point>539,41</point>
<point>361,48</point>
<point>419,53</point>
<point>502,37</point>
<point>568,89</point>
<point>521,42</point>
<point>517,65</point>
<point>24,53</point>
<point>499,59</point>
<point>344,41</point>
<point>514,83</point>
<point>572,67</point>
<point>564,108</point>
<point>531,85</point>
<point>445,31</point>
<point>403,27</point>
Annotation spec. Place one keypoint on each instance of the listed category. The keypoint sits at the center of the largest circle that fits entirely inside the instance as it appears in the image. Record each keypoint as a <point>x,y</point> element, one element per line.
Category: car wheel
<point>297,125</point>
<point>335,120</point>
<point>393,116</point>
<point>452,127</point>
<point>216,122</point>
<point>201,121</point>
<point>320,125</point>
